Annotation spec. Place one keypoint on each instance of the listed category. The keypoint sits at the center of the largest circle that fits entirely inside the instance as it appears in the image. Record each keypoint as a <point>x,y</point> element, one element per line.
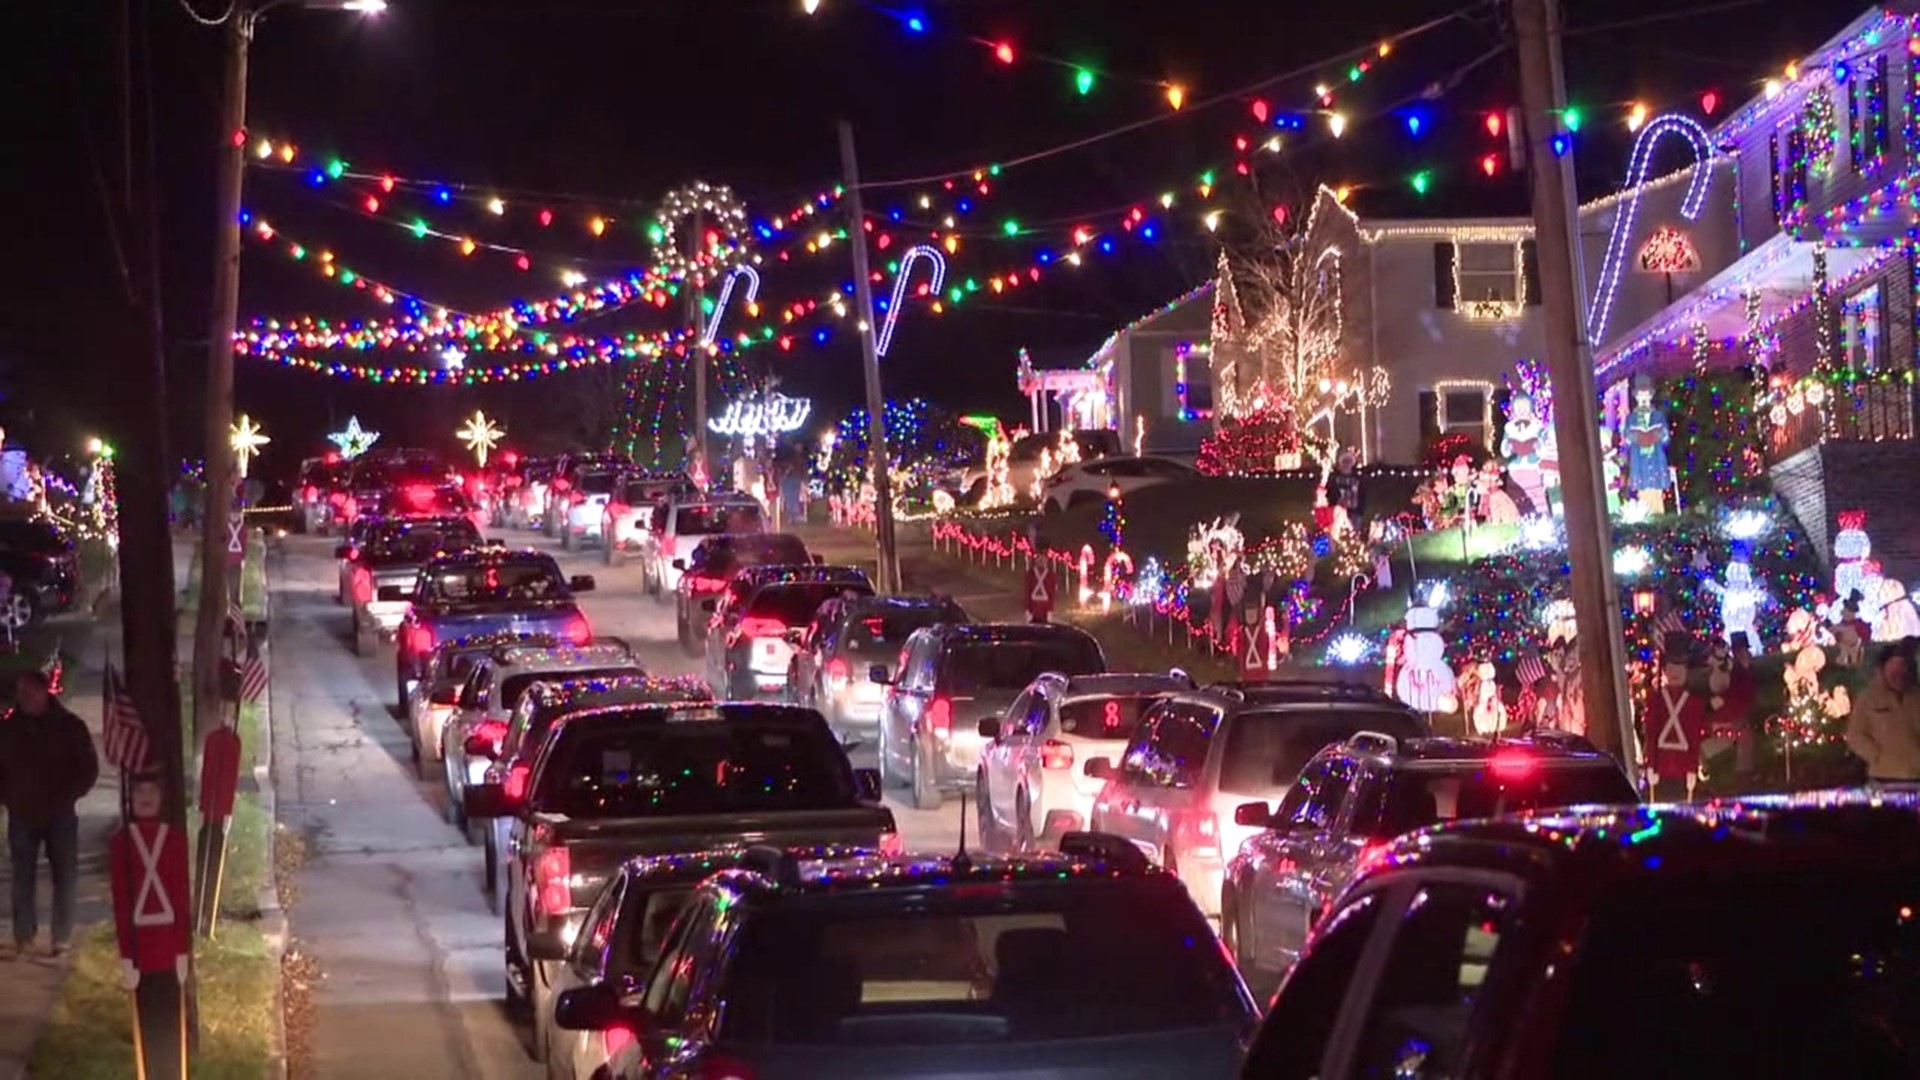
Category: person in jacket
<point>1884,729</point>
<point>47,763</point>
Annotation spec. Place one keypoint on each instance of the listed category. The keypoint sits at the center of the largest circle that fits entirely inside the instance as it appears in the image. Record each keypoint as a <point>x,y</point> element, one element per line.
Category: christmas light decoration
<point>1083,81</point>
<point>752,277</point>
<point>1820,124</point>
<point>245,438</point>
<point>1176,95</point>
<point>353,440</point>
<point>480,435</point>
<point>1668,251</point>
<point>936,274</point>
<point>722,245</point>
<point>1611,266</point>
<point>775,414</point>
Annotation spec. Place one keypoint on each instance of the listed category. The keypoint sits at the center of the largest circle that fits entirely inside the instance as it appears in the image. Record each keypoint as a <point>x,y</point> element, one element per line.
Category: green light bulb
<point>1083,81</point>
<point>419,229</point>
<point>336,167</point>
<point>1422,181</point>
<point>1010,227</point>
<point>1571,118</point>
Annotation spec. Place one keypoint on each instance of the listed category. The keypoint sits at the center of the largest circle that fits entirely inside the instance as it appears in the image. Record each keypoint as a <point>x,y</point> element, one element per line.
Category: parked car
<point>436,697</point>
<point>1354,797</point>
<point>1196,756</point>
<point>1027,792</point>
<point>384,566</point>
<point>683,522</point>
<point>629,515</point>
<point>1765,937</point>
<point>755,627</point>
<point>611,783</point>
<point>1028,456</point>
<point>948,679</point>
<point>481,591</point>
<point>44,567</point>
<point>715,562</point>
<point>847,638</point>
<point>1091,481</point>
<point>1082,964</point>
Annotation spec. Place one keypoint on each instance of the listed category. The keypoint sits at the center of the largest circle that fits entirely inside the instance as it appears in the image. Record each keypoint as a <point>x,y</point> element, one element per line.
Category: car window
<point>1173,753</point>
<point>794,605</point>
<point>1443,948</point>
<point>671,984</point>
<point>1293,1041</point>
<point>704,519</point>
<point>1108,716</point>
<point>589,954</point>
<point>650,916</point>
<point>645,769</point>
<point>1019,715</point>
<point>490,582</point>
<point>596,483</point>
<point>416,541</point>
<point>1413,799</point>
<point>1324,785</point>
<point>1009,665</point>
<point>917,667</point>
<point>515,687</point>
<point>874,632</point>
<point>1267,748</point>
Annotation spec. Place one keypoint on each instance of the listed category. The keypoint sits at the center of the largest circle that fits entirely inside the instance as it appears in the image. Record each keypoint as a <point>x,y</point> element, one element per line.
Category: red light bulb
<point>1260,110</point>
<point>1003,52</point>
<point>1490,164</point>
<point>1494,124</point>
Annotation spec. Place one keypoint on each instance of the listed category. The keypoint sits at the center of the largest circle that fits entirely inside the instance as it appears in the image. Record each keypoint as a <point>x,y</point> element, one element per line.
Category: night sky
<point>602,104</point>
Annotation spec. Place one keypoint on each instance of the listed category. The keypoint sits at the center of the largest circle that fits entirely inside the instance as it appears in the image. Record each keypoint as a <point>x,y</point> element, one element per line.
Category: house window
<point>1863,321</point>
<point>1465,406</point>
<point>1487,272</point>
<point>1779,194</point>
<point>1867,116</point>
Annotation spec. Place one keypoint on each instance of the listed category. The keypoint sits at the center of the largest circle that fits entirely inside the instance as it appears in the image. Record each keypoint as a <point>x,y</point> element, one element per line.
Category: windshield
<point>884,632</point>
<point>1267,749</point>
<point>773,550</point>
<point>1807,971</point>
<point>1415,799</point>
<point>416,542</point>
<point>479,583</point>
<point>1112,717</point>
<point>1011,665</point>
<point>596,483</point>
<point>979,965</point>
<point>792,605</point>
<point>646,492</point>
<point>709,518</point>
<point>383,473</point>
<point>672,767</point>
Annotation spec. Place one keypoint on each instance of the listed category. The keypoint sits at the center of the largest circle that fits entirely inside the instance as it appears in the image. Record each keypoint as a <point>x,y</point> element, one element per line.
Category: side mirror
<point>481,746</point>
<point>819,560</point>
<point>592,1008</point>
<point>444,695</point>
<point>879,676</point>
<point>546,945</point>
<point>1253,814</point>
<point>866,783</point>
<point>488,801</point>
<point>709,604</point>
<point>679,564</point>
<point>1099,768</point>
<point>344,551</point>
<point>388,594</point>
<point>990,728</point>
<point>581,583</point>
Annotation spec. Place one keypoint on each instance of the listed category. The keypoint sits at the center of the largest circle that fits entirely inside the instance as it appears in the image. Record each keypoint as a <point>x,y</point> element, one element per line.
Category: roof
<point>1124,682</point>
<point>993,633</point>
<point>863,872</point>
<point>801,574</point>
<point>493,555</point>
<point>1301,692</point>
<point>635,689</point>
<point>900,603</point>
<point>560,656</point>
<point>492,639</point>
<point>1180,315</point>
<point>1442,749</point>
<point>698,712</point>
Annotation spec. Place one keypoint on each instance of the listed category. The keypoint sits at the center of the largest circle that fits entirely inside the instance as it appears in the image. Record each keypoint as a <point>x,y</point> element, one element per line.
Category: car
<point>436,698</point>
<point>1033,457</point>
<point>320,491</point>
<point>43,565</point>
<point>611,783</point>
<point>757,622</point>
<point>382,568</point>
<point>524,503</point>
<point>839,648</point>
<point>582,518</point>
<point>470,739</point>
<point>1092,481</point>
<point>571,488</point>
<point>483,591</point>
<point>682,522</point>
<point>1195,756</point>
<point>1079,964</point>
<point>713,565</point>
<point>1772,936</point>
<point>630,511</point>
<point>375,476</point>
<point>1026,791</point>
<point>1354,797</point>
<point>947,680</point>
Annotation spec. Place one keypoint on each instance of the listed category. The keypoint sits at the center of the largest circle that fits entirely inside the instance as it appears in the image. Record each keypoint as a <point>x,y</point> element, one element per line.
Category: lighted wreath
<point>723,220</point>
<point>1820,123</point>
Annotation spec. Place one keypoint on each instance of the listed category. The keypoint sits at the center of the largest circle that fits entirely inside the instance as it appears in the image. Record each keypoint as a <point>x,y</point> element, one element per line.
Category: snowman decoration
<point>1851,547</point>
<point>1872,597</point>
<point>1740,598</point>
<point>1424,681</point>
<point>1898,619</point>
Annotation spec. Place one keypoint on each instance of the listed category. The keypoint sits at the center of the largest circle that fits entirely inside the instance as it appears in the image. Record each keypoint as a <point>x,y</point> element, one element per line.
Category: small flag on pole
<point>1669,623</point>
<point>253,673</point>
<point>236,623</point>
<point>1530,670</point>
<point>123,732</point>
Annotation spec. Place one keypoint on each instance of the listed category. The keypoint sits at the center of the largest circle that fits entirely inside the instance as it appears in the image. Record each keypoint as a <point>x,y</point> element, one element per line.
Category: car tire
<point>490,871</point>
<point>926,795</point>
<point>456,810</point>
<point>883,757</point>
<point>987,829</point>
<point>540,997</point>
<point>650,581</point>
<point>1024,842</point>
<point>19,610</point>
<point>399,689</point>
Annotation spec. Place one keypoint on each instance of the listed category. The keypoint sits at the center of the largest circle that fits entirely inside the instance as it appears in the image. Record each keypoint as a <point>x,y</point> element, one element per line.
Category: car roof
<point>866,873</point>
<point>867,605</point>
<point>1119,682</point>
<point>1440,751</point>
<point>493,639</point>
<point>598,654</point>
<point>695,712</point>
<point>693,866</point>
<point>1003,633</point>
<point>482,555</point>
<point>1260,695</point>
<point>802,574</point>
<point>634,689</point>
<point>715,498</point>
<point>437,521</point>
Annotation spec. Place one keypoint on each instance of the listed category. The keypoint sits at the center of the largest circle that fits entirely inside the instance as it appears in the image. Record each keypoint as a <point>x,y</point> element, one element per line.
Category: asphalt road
<point>389,900</point>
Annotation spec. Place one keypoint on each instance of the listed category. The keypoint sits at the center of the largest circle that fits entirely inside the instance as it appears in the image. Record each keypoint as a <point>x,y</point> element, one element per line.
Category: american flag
<point>236,627</point>
<point>123,734</point>
<point>253,673</point>
<point>1530,670</point>
<point>1669,622</point>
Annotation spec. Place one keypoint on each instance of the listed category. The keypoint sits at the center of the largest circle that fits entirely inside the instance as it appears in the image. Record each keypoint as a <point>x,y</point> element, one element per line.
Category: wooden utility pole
<point>1596,598</point>
<point>702,359</point>
<point>888,577</point>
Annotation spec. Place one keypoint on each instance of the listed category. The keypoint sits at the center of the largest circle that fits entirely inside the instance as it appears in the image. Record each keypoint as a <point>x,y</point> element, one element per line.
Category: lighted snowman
<point>1425,682</point>
<point>1740,598</point>
<point>1851,547</point>
<point>1898,619</point>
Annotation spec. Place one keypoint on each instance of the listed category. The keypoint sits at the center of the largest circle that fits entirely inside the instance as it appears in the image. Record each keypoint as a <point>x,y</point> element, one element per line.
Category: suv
<point>1770,937</point>
<point>1027,791</point>
<point>1353,798</point>
<point>1091,481</point>
<point>758,621</point>
<point>713,565</point>
<point>840,647</point>
<point>681,522</point>
<point>579,481</point>
<point>320,491</point>
<point>629,512</point>
<point>1087,963</point>
<point>436,697</point>
<point>380,571</point>
<point>950,678</point>
<point>1196,756</point>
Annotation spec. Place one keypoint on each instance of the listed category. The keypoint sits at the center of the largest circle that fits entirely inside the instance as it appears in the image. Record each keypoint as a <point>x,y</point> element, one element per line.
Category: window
<point>1293,1041</point>
<point>597,929</point>
<point>1171,750</point>
<point>1487,272</point>
<point>1324,784</point>
<point>671,984</point>
<point>662,767</point>
<point>1417,1023</point>
<point>1867,116</point>
<point>1266,749</point>
<point>1010,665</point>
<point>1862,316</point>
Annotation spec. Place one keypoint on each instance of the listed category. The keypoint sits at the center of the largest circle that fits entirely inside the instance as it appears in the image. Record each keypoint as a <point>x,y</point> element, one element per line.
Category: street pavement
<point>389,900</point>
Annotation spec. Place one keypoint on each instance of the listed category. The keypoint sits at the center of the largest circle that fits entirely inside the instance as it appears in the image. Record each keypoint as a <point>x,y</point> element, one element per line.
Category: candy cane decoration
<point>726,295</point>
<point>1086,574</point>
<point>1614,266</point>
<point>937,270</point>
<point>1119,563</point>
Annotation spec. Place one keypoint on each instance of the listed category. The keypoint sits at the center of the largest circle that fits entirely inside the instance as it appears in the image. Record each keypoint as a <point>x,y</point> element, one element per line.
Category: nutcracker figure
<point>149,883</point>
<point>1673,723</point>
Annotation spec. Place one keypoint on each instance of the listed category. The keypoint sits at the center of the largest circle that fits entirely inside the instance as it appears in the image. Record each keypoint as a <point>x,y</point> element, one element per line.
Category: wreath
<point>723,219</point>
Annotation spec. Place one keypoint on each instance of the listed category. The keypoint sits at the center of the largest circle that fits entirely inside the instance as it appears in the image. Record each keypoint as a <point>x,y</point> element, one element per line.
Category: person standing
<point>1884,729</point>
<point>47,763</point>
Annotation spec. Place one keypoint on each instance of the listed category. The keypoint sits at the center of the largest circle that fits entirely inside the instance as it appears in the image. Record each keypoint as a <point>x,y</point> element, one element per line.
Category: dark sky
<point>615,101</point>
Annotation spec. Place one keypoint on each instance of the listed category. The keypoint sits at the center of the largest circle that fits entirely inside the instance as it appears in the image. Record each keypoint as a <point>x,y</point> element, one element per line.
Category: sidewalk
<point>984,593</point>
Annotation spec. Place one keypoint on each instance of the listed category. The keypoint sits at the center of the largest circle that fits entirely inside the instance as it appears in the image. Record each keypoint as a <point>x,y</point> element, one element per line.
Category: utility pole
<point>888,577</point>
<point>1596,598</point>
<point>702,360</point>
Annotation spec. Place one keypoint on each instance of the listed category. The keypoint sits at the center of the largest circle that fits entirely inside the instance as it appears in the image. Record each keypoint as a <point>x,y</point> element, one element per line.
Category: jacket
<point>1884,731</point>
<point>47,762</point>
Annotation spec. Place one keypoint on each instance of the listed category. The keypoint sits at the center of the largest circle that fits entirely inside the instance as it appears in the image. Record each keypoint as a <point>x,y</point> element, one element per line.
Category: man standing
<point>47,763</point>
<point>1884,730</point>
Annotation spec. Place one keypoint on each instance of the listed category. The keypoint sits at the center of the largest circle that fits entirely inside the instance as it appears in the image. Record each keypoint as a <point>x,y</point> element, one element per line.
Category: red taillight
<point>551,869</point>
<point>1510,764</point>
<point>754,626</point>
<point>838,671</point>
<point>362,585</point>
<point>514,785</point>
<point>1055,754</point>
<point>616,1039</point>
<point>667,544</point>
<point>579,497</point>
<point>562,484</point>
<point>617,510</point>
<point>338,498</point>
<point>491,730</point>
<point>579,631</point>
<point>418,496</point>
<point>420,640</point>
<point>940,718</point>
<point>725,1067</point>
<point>1197,830</point>
<point>700,583</point>
<point>309,493</point>
<point>891,844</point>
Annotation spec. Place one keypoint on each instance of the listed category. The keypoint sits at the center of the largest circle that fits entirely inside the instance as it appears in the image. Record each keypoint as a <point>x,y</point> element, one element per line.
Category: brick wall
<point>1876,477</point>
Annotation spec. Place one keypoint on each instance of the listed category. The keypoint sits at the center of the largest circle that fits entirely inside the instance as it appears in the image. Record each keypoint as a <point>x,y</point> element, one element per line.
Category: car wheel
<point>650,580</point>
<point>985,826</point>
<point>456,809</point>
<point>17,611</point>
<point>491,870</point>
<point>1023,839</point>
<point>541,998</point>
<point>926,796</point>
<point>883,757</point>
<point>400,689</point>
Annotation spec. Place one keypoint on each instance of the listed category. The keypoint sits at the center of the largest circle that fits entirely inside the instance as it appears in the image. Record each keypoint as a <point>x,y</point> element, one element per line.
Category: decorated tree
<point>1261,441</point>
<point>923,442</point>
<point>1717,439</point>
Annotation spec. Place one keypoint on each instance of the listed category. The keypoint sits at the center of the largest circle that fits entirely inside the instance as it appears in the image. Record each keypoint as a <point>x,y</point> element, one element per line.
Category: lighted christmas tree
<point>1266,439</point>
<point>1717,438</point>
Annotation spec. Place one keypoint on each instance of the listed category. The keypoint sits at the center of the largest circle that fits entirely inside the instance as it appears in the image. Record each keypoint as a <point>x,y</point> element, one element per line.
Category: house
<point>1152,380</point>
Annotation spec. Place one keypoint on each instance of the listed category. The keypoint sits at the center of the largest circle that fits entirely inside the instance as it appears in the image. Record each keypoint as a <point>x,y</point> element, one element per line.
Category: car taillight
<point>667,544</point>
<point>1512,764</point>
<point>338,498</point>
<point>1198,830</point>
<point>551,869</point>
<point>562,484</point>
<point>940,718</point>
<point>891,844</point>
<point>701,583</point>
<point>579,497</point>
<point>420,640</point>
<point>1055,754</point>
<point>617,510</point>
<point>309,493</point>
<point>491,730</point>
<point>514,784</point>
<point>616,1039</point>
<point>579,631</point>
<point>725,1067</point>
<point>362,585</point>
<point>838,672</point>
<point>756,627</point>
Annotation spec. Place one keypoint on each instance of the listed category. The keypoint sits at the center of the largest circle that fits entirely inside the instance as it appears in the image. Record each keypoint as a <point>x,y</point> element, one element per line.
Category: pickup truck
<point>486,590</point>
<point>381,569</point>
<point>607,784</point>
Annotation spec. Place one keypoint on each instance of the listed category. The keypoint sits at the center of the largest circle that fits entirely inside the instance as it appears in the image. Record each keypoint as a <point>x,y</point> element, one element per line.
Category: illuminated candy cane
<point>937,268</point>
<point>1614,266</point>
<point>1086,574</point>
<point>726,295</point>
<point>1119,564</point>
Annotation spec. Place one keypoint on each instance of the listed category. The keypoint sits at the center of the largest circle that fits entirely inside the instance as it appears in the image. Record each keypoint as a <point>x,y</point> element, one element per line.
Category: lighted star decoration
<point>481,435</point>
<point>246,438</point>
<point>353,440</point>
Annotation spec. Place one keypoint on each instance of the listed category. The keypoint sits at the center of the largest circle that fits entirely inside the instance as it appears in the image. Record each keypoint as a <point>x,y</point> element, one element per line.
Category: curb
<point>273,919</point>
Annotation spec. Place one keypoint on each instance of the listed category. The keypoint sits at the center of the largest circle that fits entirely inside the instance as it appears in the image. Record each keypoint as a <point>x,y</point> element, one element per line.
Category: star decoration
<point>481,435</point>
<point>353,440</point>
<point>246,438</point>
